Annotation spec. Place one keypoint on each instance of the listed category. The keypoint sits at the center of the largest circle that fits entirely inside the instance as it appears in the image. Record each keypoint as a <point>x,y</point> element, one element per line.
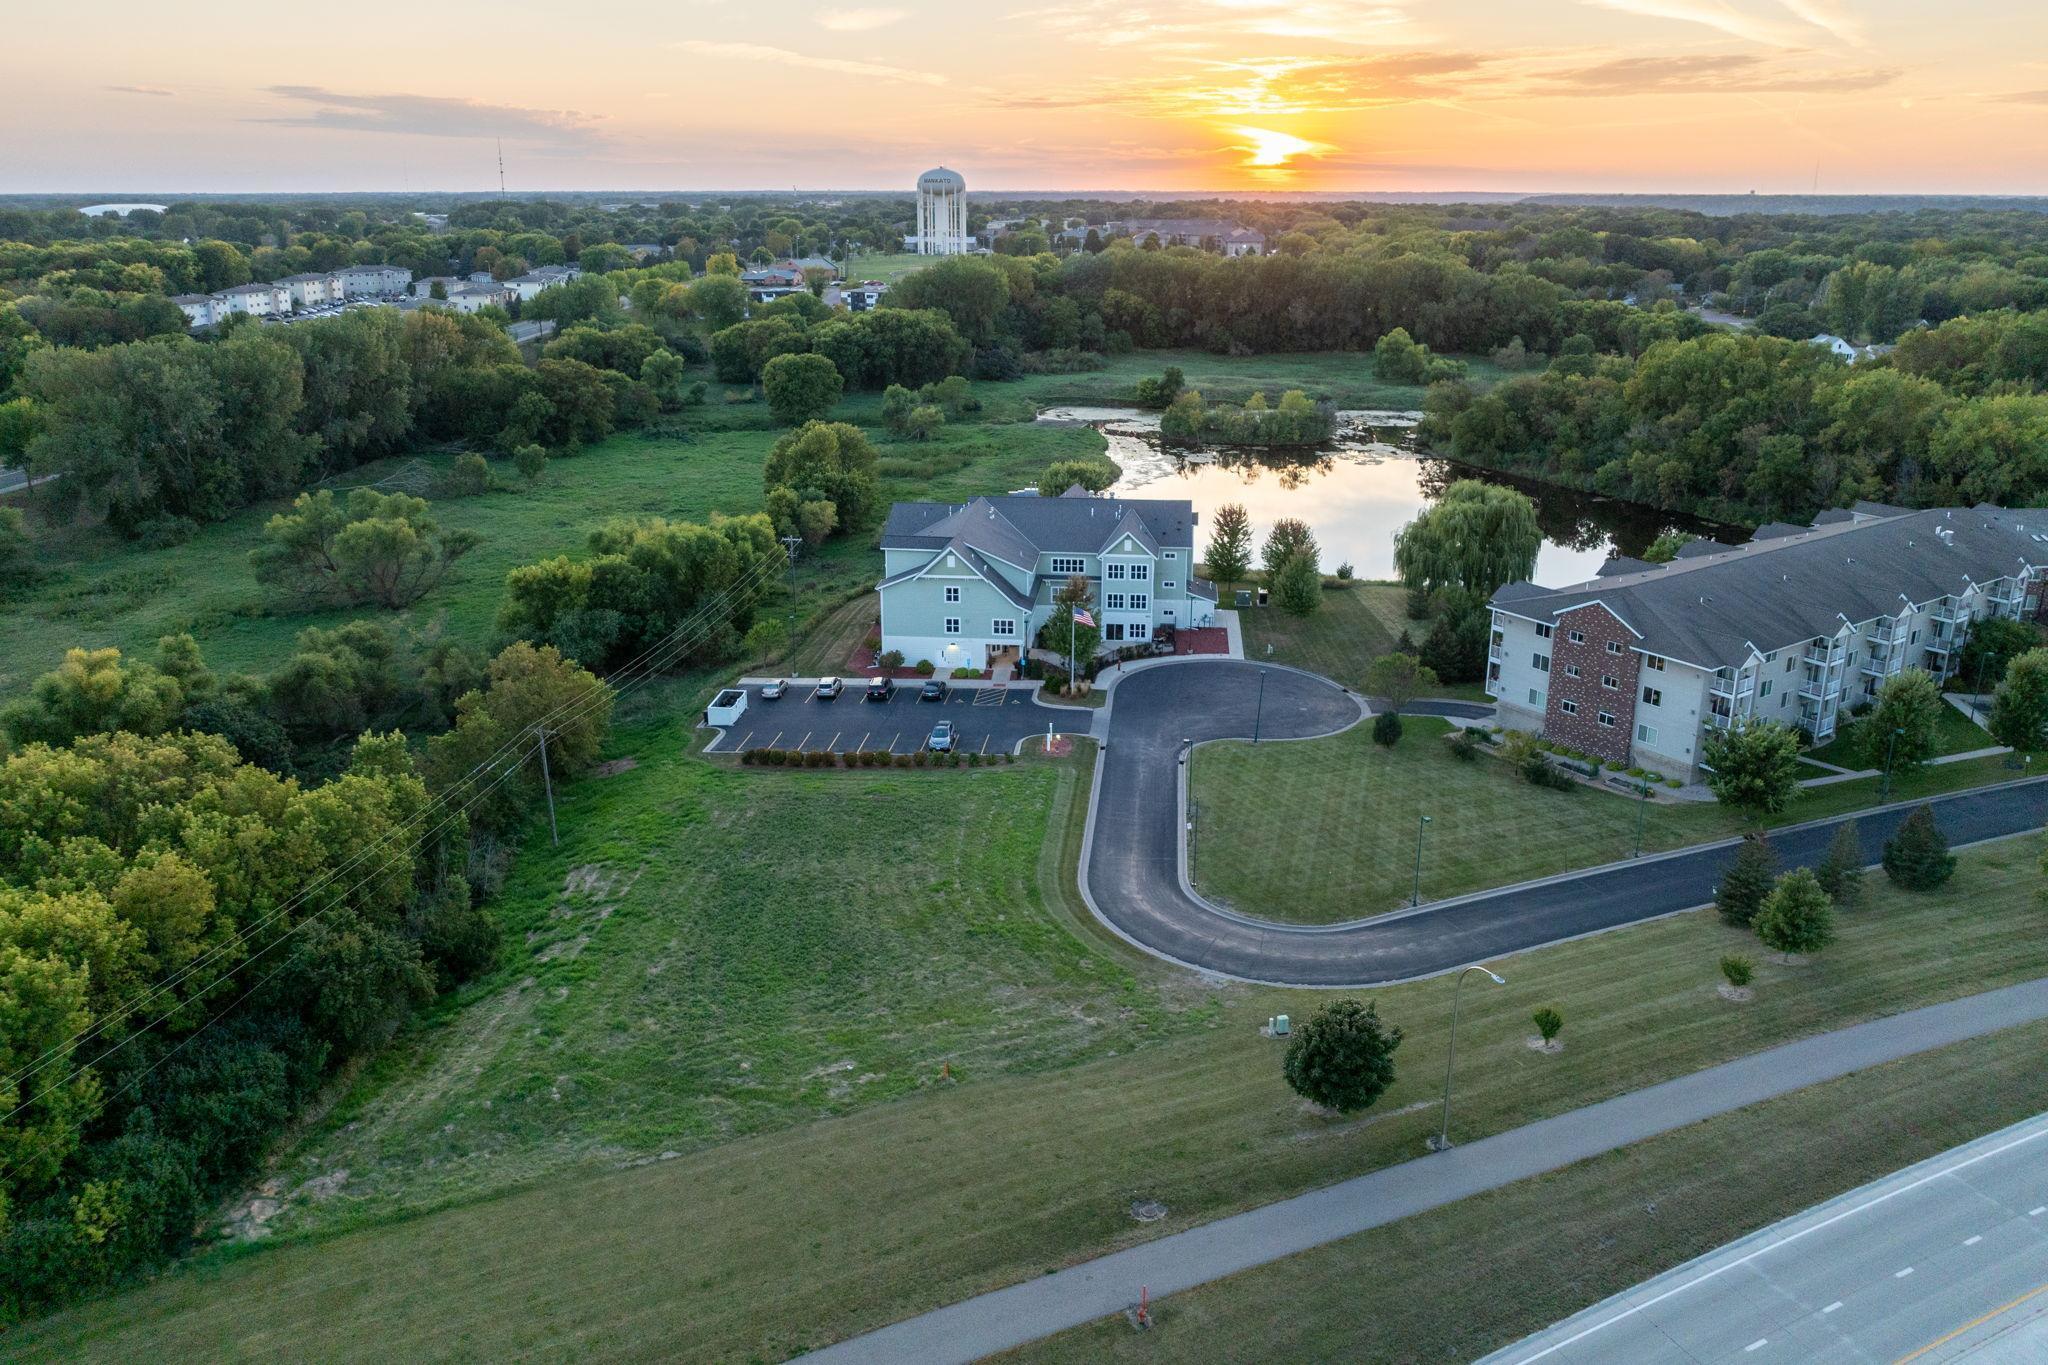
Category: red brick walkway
<point>1201,640</point>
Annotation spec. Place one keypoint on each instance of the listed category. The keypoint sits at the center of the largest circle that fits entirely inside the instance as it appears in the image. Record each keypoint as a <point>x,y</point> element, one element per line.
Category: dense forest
<point>191,935</point>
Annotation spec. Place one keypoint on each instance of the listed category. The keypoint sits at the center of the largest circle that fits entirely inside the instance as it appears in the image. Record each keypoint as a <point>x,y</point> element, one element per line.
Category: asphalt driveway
<point>985,720</point>
<point>1132,877</point>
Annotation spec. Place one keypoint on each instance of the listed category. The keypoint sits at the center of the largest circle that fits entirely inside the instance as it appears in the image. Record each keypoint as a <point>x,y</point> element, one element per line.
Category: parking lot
<point>985,720</point>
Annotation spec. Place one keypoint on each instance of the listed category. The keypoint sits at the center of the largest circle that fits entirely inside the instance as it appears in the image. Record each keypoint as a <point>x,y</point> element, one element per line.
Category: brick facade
<point>1607,651</point>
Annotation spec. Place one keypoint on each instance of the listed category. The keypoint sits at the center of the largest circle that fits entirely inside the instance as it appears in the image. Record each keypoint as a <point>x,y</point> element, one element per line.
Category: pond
<point>1367,483</point>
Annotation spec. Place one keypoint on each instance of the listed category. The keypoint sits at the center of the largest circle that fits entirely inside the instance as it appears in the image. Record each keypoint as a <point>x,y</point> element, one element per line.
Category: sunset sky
<point>1699,95</point>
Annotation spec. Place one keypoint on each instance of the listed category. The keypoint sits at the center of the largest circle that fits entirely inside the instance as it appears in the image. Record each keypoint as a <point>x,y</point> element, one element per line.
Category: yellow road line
<point>1973,1324</point>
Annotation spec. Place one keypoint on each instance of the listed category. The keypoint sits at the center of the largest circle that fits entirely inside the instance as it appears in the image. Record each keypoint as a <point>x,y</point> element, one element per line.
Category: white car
<point>776,690</point>
<point>829,688</point>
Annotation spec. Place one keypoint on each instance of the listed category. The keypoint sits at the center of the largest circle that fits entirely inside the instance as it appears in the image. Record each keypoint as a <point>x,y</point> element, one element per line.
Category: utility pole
<point>548,781</point>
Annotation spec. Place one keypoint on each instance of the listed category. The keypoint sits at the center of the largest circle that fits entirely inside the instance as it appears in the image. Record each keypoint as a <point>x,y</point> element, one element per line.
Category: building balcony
<point>1883,631</point>
<point>1821,689</point>
<point>1948,613</point>
<point>1734,689</point>
<point>1496,652</point>
<point>1825,658</point>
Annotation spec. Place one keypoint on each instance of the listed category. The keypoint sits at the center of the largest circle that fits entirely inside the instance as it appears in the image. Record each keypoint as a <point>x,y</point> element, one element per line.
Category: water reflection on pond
<point>1364,486</point>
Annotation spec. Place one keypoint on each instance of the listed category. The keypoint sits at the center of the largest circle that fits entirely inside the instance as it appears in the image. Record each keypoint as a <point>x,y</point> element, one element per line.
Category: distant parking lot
<point>985,720</point>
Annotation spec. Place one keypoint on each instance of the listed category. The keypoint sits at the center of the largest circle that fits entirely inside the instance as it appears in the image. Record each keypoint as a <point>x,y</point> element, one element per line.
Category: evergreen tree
<point>1298,587</point>
<point>1797,916</point>
<point>1386,729</point>
<point>1917,857</point>
<point>1841,872</point>
<point>1747,881</point>
<point>1343,1057</point>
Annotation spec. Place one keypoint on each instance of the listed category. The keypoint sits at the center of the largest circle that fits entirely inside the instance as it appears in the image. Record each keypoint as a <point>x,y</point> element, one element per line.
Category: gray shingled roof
<point>1711,609</point>
<point>1040,525</point>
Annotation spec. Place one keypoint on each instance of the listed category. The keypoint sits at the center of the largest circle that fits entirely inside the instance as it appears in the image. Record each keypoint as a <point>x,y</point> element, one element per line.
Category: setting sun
<point>1273,150</point>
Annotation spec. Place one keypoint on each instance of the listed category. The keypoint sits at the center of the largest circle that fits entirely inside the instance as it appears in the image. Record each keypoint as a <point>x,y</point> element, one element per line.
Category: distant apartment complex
<point>1797,626</point>
<point>353,284</point>
<point>1210,234</point>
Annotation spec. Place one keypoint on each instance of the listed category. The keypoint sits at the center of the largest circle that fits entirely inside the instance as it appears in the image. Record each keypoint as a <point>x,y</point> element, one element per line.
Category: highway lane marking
<point>1973,1324</point>
<point>1902,1274</point>
<point>1831,1308</point>
<point>1972,1241</point>
<point>1790,1238</point>
<point>1756,1345</point>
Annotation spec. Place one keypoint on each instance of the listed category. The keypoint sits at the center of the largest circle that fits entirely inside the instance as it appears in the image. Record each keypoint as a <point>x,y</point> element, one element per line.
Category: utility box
<point>727,707</point>
<point>1264,596</point>
<point>1279,1026</point>
<point>1244,597</point>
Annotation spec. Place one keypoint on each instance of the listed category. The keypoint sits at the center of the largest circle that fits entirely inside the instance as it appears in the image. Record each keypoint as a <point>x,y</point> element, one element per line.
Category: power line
<point>649,663</point>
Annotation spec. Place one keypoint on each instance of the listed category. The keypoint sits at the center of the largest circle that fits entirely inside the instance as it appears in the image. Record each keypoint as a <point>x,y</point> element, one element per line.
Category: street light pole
<point>1259,715</point>
<point>1420,825</point>
<point>1442,1143</point>
<point>1884,789</point>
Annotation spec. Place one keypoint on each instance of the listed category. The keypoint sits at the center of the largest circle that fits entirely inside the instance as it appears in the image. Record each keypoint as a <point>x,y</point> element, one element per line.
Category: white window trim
<point>952,625</point>
<point>1003,625</point>
<point>1606,719</point>
<point>952,592</point>
<point>1569,707</point>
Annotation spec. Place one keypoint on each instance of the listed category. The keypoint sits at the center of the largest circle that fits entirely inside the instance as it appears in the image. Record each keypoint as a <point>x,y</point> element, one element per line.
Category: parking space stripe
<point>777,741</point>
<point>805,741</point>
<point>834,742</point>
<point>862,747</point>
<point>743,743</point>
<point>984,744</point>
<point>892,741</point>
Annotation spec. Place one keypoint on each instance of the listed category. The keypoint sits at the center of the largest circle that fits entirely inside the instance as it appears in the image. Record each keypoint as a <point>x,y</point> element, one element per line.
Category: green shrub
<point>925,668</point>
<point>1386,729</point>
<point>1739,970</point>
<point>890,661</point>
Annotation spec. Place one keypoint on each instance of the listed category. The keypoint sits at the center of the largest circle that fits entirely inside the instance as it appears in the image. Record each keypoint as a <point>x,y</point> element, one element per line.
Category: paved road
<point>1094,1289</point>
<point>1133,877</point>
<point>1940,1261</point>
<point>899,725</point>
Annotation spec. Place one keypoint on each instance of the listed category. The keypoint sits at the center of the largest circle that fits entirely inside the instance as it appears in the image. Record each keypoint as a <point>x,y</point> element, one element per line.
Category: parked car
<point>881,689</point>
<point>933,690</point>
<point>776,690</point>
<point>941,741</point>
<point>830,688</point>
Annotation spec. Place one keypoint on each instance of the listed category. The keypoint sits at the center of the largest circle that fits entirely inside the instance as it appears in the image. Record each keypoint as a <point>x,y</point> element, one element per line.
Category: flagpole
<point>1073,638</point>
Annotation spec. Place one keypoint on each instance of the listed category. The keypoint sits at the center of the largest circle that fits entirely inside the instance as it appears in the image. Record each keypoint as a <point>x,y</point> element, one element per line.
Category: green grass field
<point>1342,377</point>
<point>764,1245</point>
<point>1562,1242</point>
<point>1954,733</point>
<point>96,590</point>
<point>1322,830</point>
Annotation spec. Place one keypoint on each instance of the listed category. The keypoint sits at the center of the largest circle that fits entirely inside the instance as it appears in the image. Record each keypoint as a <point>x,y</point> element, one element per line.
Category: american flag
<point>1081,617</point>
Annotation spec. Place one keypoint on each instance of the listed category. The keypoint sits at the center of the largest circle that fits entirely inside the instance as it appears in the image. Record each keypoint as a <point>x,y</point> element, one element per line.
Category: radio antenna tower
<point>501,168</point>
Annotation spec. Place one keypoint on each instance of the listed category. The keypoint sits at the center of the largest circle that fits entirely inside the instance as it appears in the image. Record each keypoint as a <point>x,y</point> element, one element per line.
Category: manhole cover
<point>1148,1210</point>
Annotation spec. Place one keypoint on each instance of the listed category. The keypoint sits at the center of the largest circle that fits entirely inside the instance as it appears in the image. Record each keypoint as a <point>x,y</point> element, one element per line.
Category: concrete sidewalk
<point>1024,1312</point>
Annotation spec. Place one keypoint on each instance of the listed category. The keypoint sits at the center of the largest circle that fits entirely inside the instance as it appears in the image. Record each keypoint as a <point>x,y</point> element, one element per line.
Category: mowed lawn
<point>1954,733</point>
<point>1467,1279</point>
<point>1355,626</point>
<point>767,1245</point>
<point>715,952</point>
<point>1323,830</point>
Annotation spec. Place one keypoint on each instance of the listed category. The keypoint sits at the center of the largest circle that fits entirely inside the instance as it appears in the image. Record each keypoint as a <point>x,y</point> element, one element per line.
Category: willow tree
<point>1477,536</point>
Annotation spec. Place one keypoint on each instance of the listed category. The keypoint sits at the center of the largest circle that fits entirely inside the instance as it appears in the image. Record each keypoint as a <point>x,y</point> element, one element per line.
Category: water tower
<point>942,214</point>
